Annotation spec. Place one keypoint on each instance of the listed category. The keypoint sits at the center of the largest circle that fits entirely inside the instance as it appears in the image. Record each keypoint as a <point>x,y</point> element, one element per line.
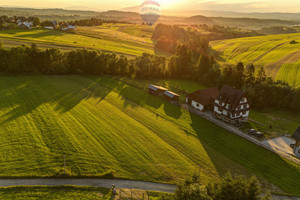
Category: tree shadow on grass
<point>172,110</point>
<point>23,96</point>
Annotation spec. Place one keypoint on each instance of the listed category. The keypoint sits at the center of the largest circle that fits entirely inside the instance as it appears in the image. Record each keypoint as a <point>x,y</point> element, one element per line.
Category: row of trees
<point>262,91</point>
<point>94,22</point>
<point>229,188</point>
<point>31,60</point>
<point>185,64</point>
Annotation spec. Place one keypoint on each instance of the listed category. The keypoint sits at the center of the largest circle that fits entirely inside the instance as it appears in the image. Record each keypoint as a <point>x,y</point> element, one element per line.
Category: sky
<point>185,5</point>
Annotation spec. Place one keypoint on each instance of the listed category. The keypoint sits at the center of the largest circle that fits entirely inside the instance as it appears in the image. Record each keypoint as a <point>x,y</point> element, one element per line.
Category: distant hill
<point>252,21</point>
<point>213,13</point>
<point>278,54</point>
<point>199,19</point>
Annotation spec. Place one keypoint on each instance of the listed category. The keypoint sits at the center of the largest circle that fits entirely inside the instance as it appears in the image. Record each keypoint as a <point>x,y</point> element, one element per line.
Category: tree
<point>202,67</point>
<point>229,188</point>
<point>261,75</point>
<point>250,74</point>
<point>239,75</point>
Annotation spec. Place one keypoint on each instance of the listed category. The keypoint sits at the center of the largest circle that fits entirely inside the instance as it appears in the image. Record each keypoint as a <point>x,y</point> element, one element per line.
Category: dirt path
<point>106,183</point>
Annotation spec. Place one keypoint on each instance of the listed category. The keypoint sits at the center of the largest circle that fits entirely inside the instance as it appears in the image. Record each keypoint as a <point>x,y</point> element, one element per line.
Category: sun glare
<point>168,3</point>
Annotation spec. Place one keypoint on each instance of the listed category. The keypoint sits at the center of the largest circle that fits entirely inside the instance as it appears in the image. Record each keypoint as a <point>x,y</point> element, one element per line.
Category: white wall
<point>197,105</point>
<point>296,151</point>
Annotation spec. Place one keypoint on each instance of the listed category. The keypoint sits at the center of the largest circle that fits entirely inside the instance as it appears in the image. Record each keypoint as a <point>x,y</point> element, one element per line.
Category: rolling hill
<point>104,126</point>
<point>278,54</point>
<point>127,39</point>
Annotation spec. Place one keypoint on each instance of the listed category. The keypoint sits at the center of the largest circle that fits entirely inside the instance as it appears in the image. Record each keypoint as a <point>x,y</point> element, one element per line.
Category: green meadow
<point>123,39</point>
<point>72,193</point>
<point>279,54</point>
<point>54,193</point>
<point>105,126</point>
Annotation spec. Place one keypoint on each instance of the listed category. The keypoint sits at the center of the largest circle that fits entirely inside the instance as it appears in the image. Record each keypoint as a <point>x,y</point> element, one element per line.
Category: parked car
<point>259,134</point>
<point>251,131</point>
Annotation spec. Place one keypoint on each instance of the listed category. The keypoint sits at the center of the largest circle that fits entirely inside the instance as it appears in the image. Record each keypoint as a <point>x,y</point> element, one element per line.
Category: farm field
<point>282,121</point>
<point>106,127</point>
<point>279,54</point>
<point>124,39</point>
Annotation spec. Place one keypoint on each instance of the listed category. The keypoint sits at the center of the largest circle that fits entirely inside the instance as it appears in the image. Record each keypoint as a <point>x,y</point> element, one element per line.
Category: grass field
<point>125,39</point>
<point>104,126</point>
<point>277,53</point>
<point>72,193</point>
<point>54,193</point>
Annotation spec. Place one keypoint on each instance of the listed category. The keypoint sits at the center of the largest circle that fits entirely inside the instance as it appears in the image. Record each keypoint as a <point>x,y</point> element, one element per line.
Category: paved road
<point>106,183</point>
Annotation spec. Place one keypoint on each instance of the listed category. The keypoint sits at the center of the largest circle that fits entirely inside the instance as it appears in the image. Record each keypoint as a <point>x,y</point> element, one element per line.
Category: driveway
<point>281,144</point>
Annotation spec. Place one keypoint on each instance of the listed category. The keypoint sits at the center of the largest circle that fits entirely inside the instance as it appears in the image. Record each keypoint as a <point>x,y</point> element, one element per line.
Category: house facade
<point>232,106</point>
<point>296,136</point>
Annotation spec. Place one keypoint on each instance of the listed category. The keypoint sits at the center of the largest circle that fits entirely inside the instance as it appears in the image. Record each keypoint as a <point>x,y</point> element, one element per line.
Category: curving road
<point>106,183</point>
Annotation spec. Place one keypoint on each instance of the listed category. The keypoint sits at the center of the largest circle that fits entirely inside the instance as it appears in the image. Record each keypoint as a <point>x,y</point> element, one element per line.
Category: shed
<point>156,90</point>
<point>171,96</point>
<point>203,99</point>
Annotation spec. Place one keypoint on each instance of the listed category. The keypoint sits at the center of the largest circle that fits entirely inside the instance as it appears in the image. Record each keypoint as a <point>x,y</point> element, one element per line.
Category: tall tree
<point>261,75</point>
<point>250,74</point>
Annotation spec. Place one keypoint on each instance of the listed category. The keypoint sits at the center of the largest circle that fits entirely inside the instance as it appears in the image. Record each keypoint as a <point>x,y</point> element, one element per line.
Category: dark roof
<point>296,135</point>
<point>230,95</point>
<point>204,97</point>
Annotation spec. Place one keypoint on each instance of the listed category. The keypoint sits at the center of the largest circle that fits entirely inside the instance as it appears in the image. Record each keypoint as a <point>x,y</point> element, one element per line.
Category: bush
<point>229,188</point>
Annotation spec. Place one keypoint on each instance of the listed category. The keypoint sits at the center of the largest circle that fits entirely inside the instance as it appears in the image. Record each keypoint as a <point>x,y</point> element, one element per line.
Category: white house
<point>232,105</point>
<point>202,99</point>
<point>229,104</point>
<point>26,25</point>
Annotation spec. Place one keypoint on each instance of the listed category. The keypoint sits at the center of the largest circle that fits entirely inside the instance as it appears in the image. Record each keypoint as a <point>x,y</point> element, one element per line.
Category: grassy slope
<point>119,38</point>
<point>275,52</point>
<point>103,125</point>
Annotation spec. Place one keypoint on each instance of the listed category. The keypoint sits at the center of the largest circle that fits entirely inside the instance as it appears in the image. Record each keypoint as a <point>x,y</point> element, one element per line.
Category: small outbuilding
<point>171,96</point>
<point>156,90</point>
<point>296,136</point>
<point>203,99</point>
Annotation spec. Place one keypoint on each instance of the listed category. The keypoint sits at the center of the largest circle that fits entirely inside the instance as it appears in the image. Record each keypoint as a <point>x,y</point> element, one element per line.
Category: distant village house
<point>25,25</point>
